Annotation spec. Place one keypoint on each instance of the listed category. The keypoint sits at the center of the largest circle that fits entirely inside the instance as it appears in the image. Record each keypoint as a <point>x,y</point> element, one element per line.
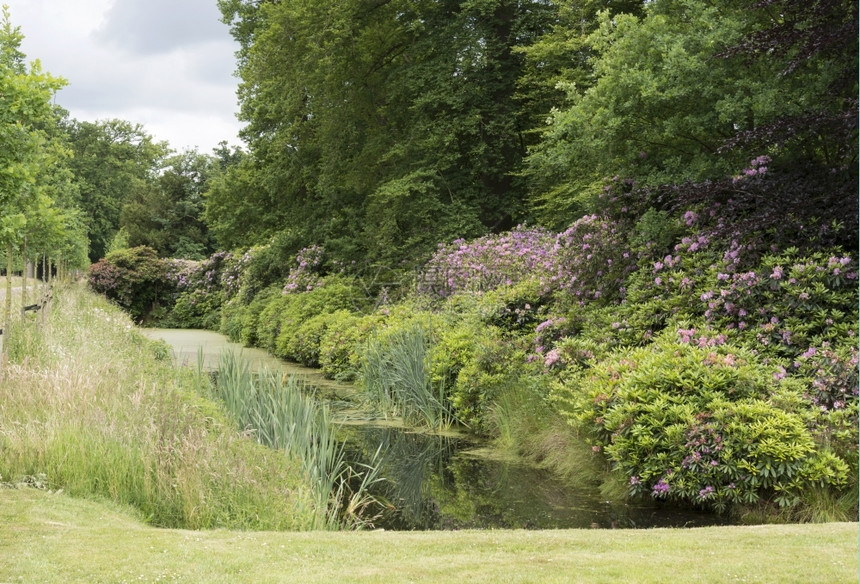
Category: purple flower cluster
<point>704,445</point>
<point>305,275</point>
<point>589,261</point>
<point>688,337</point>
<point>757,168</point>
<point>489,262</point>
<point>593,259</point>
<point>661,489</point>
<point>181,272</point>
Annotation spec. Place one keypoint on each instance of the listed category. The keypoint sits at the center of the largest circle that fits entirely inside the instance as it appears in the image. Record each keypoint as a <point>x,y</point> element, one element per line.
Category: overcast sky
<point>166,64</point>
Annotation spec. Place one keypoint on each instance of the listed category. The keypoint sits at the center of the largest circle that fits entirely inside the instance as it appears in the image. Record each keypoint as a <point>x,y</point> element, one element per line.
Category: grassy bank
<point>91,407</point>
<point>54,538</point>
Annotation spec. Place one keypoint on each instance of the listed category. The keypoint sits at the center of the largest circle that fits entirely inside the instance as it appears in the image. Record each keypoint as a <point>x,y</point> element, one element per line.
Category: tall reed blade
<point>282,416</point>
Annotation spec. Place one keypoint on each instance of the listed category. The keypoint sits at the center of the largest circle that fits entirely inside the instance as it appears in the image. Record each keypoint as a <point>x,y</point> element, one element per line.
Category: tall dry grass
<point>96,410</point>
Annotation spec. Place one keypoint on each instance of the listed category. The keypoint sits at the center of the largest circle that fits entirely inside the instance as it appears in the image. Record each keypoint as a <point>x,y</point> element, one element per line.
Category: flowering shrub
<point>489,262</point>
<point>693,424</point>
<point>180,272</point>
<point>833,376</point>
<point>133,278</point>
<point>306,275</point>
<point>790,303</point>
<point>588,261</point>
<point>592,259</point>
<point>201,289</point>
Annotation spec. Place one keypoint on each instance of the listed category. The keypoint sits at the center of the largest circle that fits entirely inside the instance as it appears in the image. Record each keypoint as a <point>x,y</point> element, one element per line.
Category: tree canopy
<point>382,128</point>
<point>111,159</point>
<point>693,90</point>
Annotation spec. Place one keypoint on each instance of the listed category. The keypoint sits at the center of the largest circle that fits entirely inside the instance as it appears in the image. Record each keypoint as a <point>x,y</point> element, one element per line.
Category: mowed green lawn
<point>47,537</point>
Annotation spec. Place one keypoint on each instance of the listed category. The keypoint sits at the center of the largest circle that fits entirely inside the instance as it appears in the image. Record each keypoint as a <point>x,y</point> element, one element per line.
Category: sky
<point>165,64</point>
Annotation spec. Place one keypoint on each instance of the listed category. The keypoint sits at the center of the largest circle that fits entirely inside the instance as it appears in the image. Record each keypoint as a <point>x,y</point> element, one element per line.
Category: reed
<point>278,411</point>
<point>396,378</point>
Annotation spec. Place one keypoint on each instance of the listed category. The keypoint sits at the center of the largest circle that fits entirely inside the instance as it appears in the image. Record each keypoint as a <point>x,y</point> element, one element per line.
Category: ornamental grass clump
<point>397,379</point>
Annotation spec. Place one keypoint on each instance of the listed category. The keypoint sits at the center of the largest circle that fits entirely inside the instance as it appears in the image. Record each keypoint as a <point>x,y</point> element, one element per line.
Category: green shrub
<point>291,311</point>
<point>249,315</point>
<point>473,361</point>
<point>496,364</point>
<point>231,319</point>
<point>695,425</point>
<point>516,308</point>
<point>304,346</point>
<point>339,346</point>
<point>269,321</point>
<point>136,279</point>
<point>196,308</point>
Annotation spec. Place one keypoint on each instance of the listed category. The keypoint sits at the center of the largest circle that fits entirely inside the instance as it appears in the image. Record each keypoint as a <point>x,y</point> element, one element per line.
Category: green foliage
<point>240,321</point>
<point>196,308</point>
<point>655,233</point>
<point>495,365</point>
<point>696,425</point>
<point>396,375</point>
<point>136,279</point>
<point>112,161</point>
<point>691,90</point>
<point>339,347</point>
<point>284,417</point>
<point>378,129</point>
<point>284,314</point>
<point>305,344</point>
<point>119,241</point>
<point>167,212</point>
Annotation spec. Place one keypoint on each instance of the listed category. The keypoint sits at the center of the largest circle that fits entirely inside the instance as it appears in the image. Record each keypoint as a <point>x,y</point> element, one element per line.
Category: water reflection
<point>442,482</point>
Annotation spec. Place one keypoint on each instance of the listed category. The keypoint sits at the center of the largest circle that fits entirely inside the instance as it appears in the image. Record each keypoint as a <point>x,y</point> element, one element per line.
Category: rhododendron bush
<point>711,361</point>
<point>707,357</point>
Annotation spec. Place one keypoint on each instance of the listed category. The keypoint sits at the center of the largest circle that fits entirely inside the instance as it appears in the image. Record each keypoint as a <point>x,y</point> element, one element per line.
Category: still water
<point>447,481</point>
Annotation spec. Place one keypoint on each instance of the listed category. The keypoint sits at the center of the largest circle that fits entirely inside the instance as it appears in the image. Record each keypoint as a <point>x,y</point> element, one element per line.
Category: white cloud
<point>161,63</point>
<point>159,26</point>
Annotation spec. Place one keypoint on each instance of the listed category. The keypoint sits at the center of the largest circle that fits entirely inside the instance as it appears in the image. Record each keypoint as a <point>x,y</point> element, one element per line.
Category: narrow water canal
<point>448,481</point>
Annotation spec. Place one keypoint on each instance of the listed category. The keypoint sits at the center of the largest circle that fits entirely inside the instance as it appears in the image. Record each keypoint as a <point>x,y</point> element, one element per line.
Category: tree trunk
<point>24,274</point>
<point>7,317</point>
<point>44,310</point>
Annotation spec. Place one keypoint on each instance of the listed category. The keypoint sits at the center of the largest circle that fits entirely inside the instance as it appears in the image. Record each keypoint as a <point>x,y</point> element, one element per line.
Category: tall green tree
<point>166,213</point>
<point>379,128</point>
<point>25,105</point>
<point>681,92</point>
<point>111,159</point>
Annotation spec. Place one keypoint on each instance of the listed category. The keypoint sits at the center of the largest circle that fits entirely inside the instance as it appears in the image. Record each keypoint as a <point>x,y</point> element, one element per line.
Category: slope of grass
<point>47,537</point>
<point>99,411</point>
